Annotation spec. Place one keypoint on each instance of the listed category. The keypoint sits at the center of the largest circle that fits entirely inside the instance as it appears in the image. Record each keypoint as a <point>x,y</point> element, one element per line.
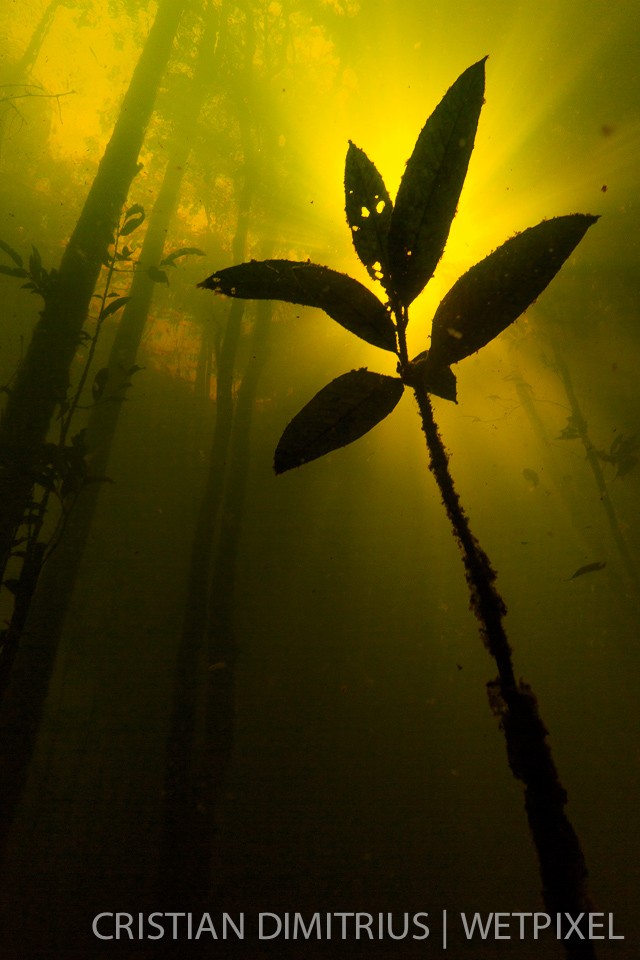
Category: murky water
<point>263,698</point>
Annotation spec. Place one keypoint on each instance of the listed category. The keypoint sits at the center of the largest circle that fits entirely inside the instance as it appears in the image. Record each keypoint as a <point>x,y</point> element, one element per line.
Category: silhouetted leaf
<point>169,260</point>
<point>113,307</point>
<point>588,568</point>
<point>431,184</point>
<point>79,440</point>
<point>341,412</point>
<point>71,484</point>
<point>89,480</point>
<point>132,219</point>
<point>13,271</point>
<point>35,263</point>
<point>158,276</point>
<point>435,378</point>
<point>343,298</point>
<point>622,454</point>
<point>496,291</point>
<point>440,380</point>
<point>571,430</point>
<point>15,256</point>
<point>368,207</point>
<point>531,476</point>
<point>99,383</point>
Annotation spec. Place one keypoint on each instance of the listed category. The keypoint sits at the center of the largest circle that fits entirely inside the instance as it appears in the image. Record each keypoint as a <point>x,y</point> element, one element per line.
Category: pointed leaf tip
<point>340,413</point>
<point>432,183</point>
<point>344,299</point>
<point>498,289</point>
<point>133,217</point>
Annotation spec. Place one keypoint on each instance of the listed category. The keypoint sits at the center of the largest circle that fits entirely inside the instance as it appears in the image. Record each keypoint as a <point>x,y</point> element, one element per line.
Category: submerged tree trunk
<point>220,629</point>
<point>221,643</point>
<point>58,579</point>
<point>14,80</point>
<point>201,731</point>
<point>43,377</point>
<point>186,847</point>
<point>42,383</point>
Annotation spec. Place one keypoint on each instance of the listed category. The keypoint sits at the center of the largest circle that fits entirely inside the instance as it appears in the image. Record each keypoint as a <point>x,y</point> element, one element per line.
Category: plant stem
<point>594,463</point>
<point>486,602</point>
<point>562,866</point>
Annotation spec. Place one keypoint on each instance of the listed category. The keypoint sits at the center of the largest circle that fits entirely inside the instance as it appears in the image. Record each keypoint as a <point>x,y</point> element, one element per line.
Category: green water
<point>251,694</point>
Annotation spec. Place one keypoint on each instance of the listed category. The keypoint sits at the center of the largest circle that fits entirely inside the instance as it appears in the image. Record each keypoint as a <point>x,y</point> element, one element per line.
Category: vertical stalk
<point>594,463</point>
<point>562,865</point>
<point>189,791</point>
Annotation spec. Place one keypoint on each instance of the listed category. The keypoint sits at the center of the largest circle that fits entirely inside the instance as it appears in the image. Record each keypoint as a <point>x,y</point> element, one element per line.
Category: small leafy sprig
<point>38,279</point>
<point>61,467</point>
<point>400,246</point>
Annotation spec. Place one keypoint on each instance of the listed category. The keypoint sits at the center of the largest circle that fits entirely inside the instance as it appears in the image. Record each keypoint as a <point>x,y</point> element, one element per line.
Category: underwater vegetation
<point>400,245</point>
<point>34,397</point>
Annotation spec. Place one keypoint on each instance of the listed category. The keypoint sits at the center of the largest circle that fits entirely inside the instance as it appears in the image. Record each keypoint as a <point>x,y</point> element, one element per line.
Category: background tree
<point>42,380</point>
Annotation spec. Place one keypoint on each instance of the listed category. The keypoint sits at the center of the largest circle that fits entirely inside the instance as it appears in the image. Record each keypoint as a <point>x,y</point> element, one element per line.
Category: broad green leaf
<point>132,219</point>
<point>170,259</point>
<point>496,291</point>
<point>340,413</point>
<point>431,185</point>
<point>343,298</point>
<point>368,207</point>
<point>113,307</point>
<point>15,256</point>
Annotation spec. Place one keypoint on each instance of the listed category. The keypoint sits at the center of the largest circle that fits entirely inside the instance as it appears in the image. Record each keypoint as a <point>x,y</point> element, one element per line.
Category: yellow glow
<point>530,160</point>
<point>365,764</point>
<point>93,71</point>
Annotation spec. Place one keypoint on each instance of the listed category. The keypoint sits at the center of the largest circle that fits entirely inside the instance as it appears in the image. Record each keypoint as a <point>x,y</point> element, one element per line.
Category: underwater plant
<point>61,470</point>
<point>400,245</point>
